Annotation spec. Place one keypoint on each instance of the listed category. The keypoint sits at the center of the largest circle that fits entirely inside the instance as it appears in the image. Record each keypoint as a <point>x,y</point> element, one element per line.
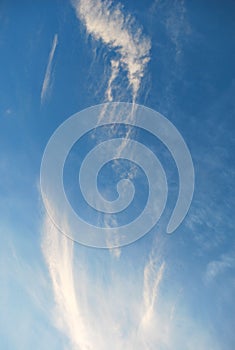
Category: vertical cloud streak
<point>47,79</point>
<point>152,281</point>
<point>58,253</point>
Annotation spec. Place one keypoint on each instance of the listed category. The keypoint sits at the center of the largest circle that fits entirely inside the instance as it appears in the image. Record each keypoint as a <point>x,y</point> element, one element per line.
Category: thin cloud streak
<point>114,73</point>
<point>47,79</point>
<point>152,281</point>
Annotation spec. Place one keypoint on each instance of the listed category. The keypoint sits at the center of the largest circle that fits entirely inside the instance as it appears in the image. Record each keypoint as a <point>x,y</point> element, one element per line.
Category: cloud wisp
<point>112,309</point>
<point>58,253</point>
<point>217,267</point>
<point>91,313</point>
<point>47,79</point>
<point>106,22</point>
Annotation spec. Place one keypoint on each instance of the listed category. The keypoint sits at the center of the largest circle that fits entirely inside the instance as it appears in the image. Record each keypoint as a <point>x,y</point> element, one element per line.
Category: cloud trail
<point>106,22</point>
<point>47,79</point>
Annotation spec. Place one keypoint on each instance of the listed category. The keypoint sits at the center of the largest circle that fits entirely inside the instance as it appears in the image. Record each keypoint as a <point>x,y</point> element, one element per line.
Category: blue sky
<point>163,291</point>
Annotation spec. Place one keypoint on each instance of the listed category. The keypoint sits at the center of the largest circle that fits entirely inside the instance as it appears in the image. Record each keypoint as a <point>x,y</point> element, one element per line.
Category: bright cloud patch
<point>107,23</point>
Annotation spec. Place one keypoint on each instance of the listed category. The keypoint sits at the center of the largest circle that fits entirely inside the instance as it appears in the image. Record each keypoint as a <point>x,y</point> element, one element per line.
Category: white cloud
<point>47,79</point>
<point>111,308</point>
<point>91,313</point>
<point>152,281</point>
<point>58,253</point>
<point>114,74</point>
<point>106,22</point>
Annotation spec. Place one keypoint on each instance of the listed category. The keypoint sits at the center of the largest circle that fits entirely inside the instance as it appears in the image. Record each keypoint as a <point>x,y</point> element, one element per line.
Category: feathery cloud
<point>116,309</point>
<point>90,312</point>
<point>125,309</point>
<point>107,22</point>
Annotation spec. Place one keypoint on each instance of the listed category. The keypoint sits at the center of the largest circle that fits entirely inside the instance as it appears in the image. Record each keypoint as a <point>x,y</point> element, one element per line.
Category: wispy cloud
<point>106,22</point>
<point>112,308</point>
<point>58,252</point>
<point>47,79</point>
<point>177,25</point>
<point>129,48</point>
<point>94,314</point>
<point>114,73</point>
<point>174,19</point>
<point>152,281</point>
<point>219,266</point>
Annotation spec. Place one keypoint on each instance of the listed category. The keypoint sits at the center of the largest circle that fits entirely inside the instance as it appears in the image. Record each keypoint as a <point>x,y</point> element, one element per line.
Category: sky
<point>162,291</point>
